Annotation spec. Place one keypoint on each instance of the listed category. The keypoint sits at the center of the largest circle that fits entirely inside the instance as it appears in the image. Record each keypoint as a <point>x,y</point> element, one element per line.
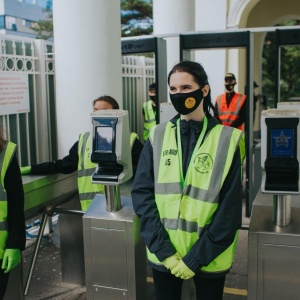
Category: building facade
<point>17,17</point>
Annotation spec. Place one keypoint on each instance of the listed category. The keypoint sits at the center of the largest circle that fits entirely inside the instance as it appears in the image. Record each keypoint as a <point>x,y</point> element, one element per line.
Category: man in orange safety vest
<point>230,108</point>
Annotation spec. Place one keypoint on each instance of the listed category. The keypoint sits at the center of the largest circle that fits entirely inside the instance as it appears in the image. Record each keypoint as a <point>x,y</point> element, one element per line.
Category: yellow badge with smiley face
<point>190,102</point>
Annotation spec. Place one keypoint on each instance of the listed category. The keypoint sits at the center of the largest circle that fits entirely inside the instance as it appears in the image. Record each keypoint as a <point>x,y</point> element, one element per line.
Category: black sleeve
<point>220,234</point>
<point>67,165</point>
<point>15,207</point>
<point>242,117</point>
<point>216,112</point>
<point>135,154</point>
<point>143,198</point>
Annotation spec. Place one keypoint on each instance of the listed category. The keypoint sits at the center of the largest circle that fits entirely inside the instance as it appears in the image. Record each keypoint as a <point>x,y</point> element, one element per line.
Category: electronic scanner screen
<point>282,142</point>
<point>104,139</point>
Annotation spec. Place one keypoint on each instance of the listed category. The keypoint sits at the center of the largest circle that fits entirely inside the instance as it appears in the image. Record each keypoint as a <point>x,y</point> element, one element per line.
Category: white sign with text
<point>14,93</point>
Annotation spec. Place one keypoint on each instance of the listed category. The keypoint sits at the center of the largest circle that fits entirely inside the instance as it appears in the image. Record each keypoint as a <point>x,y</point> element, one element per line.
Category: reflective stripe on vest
<point>6,156</point>
<point>149,118</point>
<point>228,114</point>
<point>87,189</point>
<point>133,138</point>
<point>187,206</point>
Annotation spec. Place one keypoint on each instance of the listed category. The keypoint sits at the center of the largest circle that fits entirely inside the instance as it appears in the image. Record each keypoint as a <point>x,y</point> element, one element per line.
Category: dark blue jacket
<point>221,232</point>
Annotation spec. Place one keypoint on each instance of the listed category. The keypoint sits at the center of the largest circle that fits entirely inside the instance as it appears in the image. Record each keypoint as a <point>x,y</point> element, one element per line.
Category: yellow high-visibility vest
<point>187,206</point>
<point>6,156</point>
<point>87,189</point>
<point>149,118</point>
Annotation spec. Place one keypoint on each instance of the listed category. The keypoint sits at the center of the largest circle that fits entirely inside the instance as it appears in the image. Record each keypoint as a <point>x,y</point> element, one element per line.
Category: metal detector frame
<point>283,37</point>
<point>158,46</point>
<point>241,39</point>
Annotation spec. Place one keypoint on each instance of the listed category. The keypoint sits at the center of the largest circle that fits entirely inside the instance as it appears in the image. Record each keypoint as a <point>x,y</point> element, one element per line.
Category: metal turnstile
<point>273,251</point>
<point>115,258</point>
<point>41,193</point>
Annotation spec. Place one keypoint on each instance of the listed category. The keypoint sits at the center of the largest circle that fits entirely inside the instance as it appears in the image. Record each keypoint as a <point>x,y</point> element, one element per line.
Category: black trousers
<point>3,281</point>
<point>168,287</point>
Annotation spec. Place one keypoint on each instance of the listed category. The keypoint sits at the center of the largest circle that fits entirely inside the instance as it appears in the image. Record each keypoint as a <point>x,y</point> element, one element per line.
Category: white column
<point>87,61</point>
<point>172,17</point>
<point>211,16</point>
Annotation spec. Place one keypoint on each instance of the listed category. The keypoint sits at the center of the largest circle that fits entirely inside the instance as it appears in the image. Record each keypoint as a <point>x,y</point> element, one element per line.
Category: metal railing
<point>35,131</point>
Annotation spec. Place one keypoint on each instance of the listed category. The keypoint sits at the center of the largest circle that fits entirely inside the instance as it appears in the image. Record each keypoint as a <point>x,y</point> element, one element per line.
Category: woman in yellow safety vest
<point>188,191</point>
<point>12,220</point>
<point>79,159</point>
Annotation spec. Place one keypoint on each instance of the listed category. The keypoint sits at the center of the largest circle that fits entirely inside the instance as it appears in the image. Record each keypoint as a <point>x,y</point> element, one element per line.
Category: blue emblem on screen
<point>282,142</point>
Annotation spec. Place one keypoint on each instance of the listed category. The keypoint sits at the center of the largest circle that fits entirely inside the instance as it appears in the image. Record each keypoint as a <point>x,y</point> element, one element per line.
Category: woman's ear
<point>205,90</point>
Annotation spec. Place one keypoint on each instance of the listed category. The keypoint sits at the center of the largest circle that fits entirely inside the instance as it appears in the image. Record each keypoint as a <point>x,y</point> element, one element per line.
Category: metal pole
<point>60,210</point>
<point>282,210</point>
<point>113,199</point>
<point>35,252</point>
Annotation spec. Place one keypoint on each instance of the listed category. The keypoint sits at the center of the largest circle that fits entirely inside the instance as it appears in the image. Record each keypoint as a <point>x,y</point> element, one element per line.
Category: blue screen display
<point>104,139</point>
<point>282,143</point>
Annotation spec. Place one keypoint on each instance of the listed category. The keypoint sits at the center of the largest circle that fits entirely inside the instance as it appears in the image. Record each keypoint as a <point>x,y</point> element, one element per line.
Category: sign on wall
<point>14,93</point>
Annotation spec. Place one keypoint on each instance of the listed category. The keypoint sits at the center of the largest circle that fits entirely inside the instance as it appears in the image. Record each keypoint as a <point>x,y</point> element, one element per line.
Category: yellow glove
<point>182,271</point>
<point>172,261</point>
<point>25,170</point>
<point>11,258</point>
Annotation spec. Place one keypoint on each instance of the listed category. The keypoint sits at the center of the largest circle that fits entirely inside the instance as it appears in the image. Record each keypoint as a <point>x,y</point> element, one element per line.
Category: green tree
<point>289,67</point>
<point>44,28</point>
<point>136,17</point>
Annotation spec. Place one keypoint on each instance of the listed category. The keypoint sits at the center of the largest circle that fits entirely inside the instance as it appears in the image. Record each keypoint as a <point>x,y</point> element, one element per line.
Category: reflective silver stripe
<point>235,112</point>
<point>218,171</point>
<point>157,144</point>
<point>232,113</point>
<point>224,121</point>
<point>200,194</point>
<point>219,104</point>
<point>212,194</point>
<point>3,225</point>
<point>150,120</point>
<point>84,140</point>
<point>2,195</point>
<point>86,172</point>
<point>184,225</point>
<point>239,104</point>
<point>165,188</point>
<point>147,107</point>
<point>88,196</point>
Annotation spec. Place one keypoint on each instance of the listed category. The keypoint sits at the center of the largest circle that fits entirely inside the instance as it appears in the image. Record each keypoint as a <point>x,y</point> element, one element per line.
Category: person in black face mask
<point>149,110</point>
<point>188,191</point>
<point>230,108</point>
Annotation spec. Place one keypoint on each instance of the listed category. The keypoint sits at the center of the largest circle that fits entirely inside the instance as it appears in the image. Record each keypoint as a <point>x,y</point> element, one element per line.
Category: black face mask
<point>185,103</point>
<point>153,98</point>
<point>229,87</point>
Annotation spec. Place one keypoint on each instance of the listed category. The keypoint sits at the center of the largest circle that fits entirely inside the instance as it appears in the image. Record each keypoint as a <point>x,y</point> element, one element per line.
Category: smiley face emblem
<point>190,102</point>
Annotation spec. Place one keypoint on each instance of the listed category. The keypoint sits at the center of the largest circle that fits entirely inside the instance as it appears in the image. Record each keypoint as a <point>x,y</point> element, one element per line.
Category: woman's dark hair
<point>200,77</point>
<point>1,138</point>
<point>109,99</point>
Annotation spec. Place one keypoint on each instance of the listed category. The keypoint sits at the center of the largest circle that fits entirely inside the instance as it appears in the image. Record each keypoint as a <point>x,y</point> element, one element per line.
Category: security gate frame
<point>158,47</point>
<point>285,37</point>
<point>241,39</point>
